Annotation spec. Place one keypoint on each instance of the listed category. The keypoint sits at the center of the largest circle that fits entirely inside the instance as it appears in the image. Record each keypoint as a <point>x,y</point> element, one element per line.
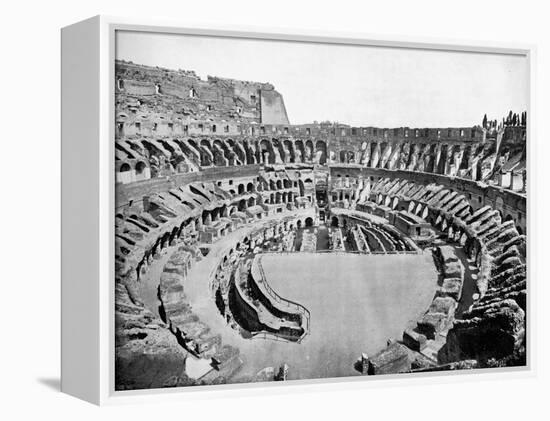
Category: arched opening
<point>334,222</point>
<point>241,188</point>
<point>242,205</point>
<point>343,157</point>
<point>214,214</point>
<point>125,167</point>
<point>321,152</point>
<point>309,222</point>
<point>251,201</point>
<point>250,187</point>
<point>300,150</point>
<point>267,154</point>
<point>140,167</point>
<point>279,184</point>
<point>206,217</point>
<point>289,149</point>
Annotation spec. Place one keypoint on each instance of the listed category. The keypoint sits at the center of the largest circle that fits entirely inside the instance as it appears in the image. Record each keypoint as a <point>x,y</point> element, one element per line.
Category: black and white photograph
<point>292,210</point>
<point>297,210</point>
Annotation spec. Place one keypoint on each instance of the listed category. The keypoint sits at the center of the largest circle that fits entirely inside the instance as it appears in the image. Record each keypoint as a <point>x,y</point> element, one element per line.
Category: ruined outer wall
<point>273,110</point>
<point>187,94</point>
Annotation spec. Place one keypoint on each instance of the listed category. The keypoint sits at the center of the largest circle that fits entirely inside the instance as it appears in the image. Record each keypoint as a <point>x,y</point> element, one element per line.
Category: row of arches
<point>448,159</point>
<point>451,213</point>
<point>163,241</point>
<point>224,152</point>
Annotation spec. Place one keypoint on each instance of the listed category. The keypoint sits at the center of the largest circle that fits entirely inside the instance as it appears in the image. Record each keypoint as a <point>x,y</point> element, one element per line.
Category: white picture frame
<point>88,197</point>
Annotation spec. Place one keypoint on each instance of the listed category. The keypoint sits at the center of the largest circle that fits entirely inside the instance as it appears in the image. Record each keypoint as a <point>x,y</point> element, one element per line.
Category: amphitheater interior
<point>213,183</point>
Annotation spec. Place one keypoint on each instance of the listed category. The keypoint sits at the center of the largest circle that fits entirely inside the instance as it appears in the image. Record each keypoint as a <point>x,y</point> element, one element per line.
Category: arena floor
<point>356,302</point>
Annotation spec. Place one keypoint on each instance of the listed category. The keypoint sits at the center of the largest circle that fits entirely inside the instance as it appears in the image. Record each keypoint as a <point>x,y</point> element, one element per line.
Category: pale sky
<point>356,85</point>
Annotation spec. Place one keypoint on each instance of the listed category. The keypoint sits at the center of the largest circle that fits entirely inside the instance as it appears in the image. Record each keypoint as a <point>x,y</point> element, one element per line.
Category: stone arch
<point>300,151</point>
<point>223,211</point>
<point>289,148</point>
<point>206,217</point>
<point>249,152</point>
<point>204,157</point>
<point>266,150</point>
<point>125,167</point>
<point>309,150</point>
<point>238,150</point>
<point>343,157</point>
<point>321,152</point>
<point>140,167</point>
<point>206,144</point>
<point>242,205</point>
<point>227,153</point>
